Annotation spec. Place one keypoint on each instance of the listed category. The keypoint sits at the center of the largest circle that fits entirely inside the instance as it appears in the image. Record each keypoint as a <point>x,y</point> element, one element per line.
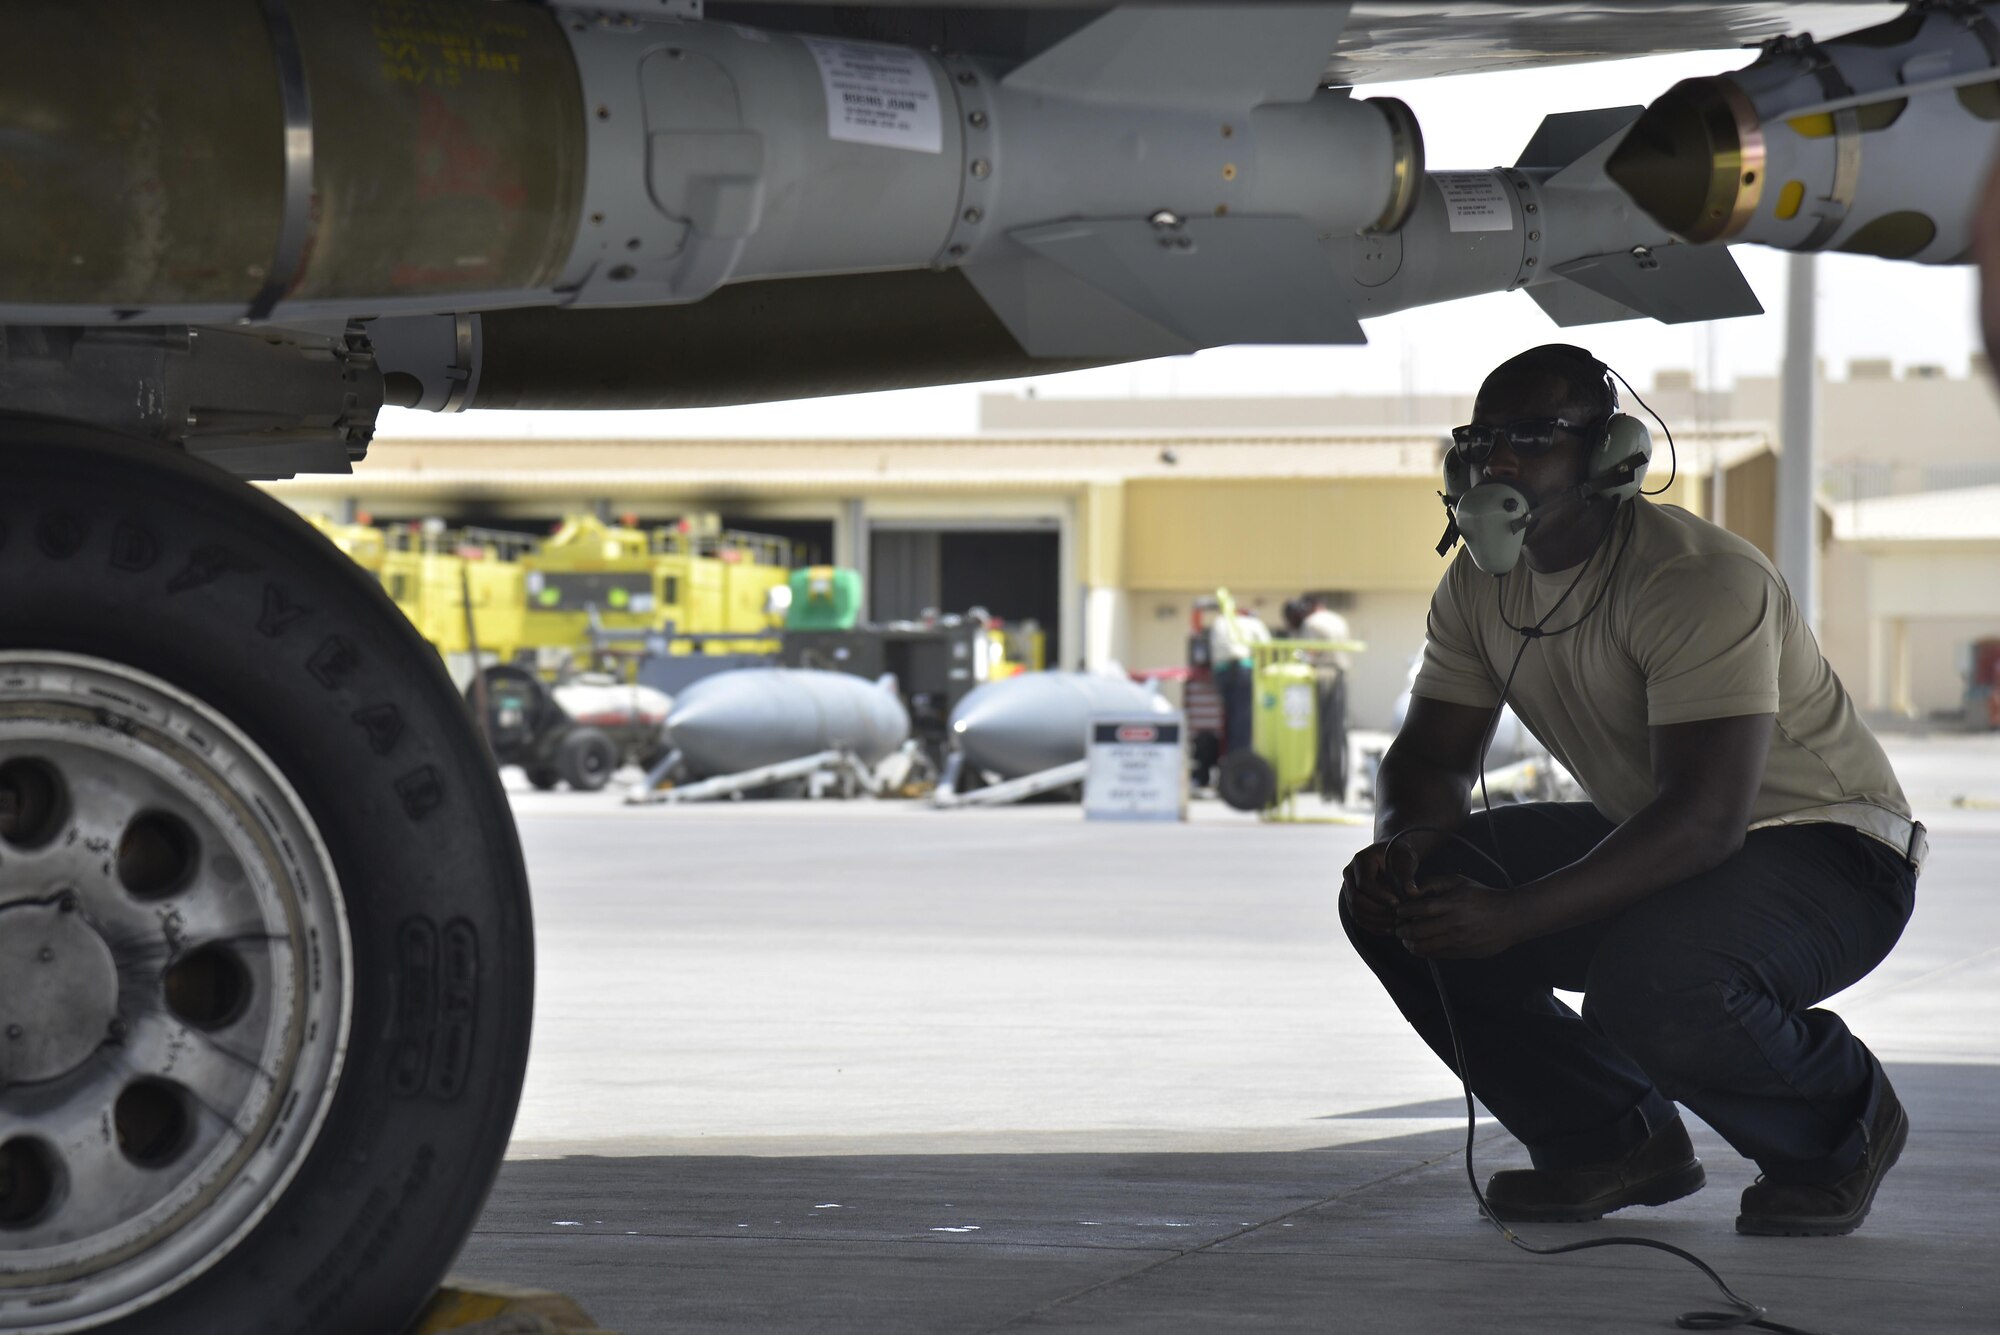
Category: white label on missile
<point>1475,201</point>
<point>882,95</point>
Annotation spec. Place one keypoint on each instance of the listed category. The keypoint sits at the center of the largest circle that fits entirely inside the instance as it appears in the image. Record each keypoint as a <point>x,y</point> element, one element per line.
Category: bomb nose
<point>1694,160</point>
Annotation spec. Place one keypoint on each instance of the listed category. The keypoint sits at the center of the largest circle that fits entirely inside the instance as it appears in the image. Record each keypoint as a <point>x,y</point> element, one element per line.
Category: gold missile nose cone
<point>1695,160</point>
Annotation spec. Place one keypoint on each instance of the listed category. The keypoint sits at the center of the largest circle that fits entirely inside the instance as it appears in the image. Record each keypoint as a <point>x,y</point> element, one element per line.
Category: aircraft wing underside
<point>1382,41</point>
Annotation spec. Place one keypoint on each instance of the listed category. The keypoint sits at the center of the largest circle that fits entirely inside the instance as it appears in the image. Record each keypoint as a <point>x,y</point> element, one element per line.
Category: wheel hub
<point>174,988</point>
<point>58,990</point>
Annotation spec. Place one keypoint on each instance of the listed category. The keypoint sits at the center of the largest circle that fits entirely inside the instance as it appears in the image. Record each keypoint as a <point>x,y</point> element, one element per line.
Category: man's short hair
<point>1586,392</point>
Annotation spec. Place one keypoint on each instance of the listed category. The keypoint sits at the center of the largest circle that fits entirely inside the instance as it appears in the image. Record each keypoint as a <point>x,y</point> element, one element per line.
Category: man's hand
<point>1457,918</point>
<point>1379,878</point>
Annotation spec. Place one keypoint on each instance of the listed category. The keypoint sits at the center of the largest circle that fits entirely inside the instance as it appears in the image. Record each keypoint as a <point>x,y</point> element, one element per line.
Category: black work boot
<point>1810,1210</point>
<point>1662,1169</point>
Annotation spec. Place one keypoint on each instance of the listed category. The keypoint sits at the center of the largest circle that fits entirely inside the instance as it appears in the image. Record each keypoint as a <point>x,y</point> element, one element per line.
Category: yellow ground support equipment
<point>702,583</point>
<point>588,564</point>
<point>526,594</point>
<point>748,580</point>
<point>1289,680</point>
<point>432,575</point>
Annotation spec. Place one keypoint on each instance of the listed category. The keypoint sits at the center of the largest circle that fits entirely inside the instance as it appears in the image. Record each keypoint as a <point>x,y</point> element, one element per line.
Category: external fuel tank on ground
<point>1038,720</point>
<point>753,717</point>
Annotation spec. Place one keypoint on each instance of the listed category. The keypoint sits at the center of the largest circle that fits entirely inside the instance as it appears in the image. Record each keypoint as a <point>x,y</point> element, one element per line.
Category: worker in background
<point>1323,623</point>
<point>1230,637</point>
<point>1307,617</point>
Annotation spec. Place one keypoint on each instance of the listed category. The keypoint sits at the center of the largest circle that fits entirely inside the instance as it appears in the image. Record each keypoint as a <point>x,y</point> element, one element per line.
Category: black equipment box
<point>935,666</point>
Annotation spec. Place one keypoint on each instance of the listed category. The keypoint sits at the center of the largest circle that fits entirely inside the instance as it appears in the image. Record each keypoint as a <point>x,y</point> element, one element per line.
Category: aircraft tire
<point>544,777</point>
<point>246,808</point>
<point>586,759</point>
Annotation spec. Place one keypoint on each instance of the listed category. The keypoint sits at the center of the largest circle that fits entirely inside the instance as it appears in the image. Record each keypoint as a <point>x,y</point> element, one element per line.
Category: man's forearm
<point>1414,795</point>
<point>1663,844</point>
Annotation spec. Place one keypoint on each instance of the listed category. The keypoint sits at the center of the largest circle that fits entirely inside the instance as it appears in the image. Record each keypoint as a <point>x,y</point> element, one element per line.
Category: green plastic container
<point>824,598</point>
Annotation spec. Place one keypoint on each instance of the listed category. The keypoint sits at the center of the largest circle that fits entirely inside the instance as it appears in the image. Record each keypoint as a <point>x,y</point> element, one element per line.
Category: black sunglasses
<point>1528,437</point>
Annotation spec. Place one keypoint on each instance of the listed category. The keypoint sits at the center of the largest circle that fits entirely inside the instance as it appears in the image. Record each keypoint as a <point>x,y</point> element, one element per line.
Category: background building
<point>1104,519</point>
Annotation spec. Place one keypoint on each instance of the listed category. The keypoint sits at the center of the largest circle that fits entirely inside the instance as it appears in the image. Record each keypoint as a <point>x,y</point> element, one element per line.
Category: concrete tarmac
<point>810,1067</point>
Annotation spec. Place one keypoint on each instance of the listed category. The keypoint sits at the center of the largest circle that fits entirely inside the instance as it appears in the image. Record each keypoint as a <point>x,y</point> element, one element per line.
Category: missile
<point>1874,143</point>
<point>524,206</point>
<point>1036,721</point>
<point>1148,184</point>
<point>752,717</point>
<point>1553,225</point>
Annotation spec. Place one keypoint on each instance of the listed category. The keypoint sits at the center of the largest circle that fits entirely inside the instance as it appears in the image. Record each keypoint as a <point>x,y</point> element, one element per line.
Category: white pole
<point>1798,461</point>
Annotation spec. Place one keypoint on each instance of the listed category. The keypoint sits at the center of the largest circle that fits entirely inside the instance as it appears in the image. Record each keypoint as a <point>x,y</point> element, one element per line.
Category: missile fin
<point>1207,282</point>
<point>1053,313</point>
<point>1569,304</point>
<point>1674,284</point>
<point>1234,55</point>
<point>1566,139</point>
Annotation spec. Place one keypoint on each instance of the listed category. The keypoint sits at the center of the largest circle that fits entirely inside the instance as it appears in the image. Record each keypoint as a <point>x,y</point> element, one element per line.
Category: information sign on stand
<point>1137,768</point>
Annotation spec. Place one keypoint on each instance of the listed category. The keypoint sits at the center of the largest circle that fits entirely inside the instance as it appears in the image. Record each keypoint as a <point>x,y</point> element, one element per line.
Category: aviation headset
<point>1493,518</point>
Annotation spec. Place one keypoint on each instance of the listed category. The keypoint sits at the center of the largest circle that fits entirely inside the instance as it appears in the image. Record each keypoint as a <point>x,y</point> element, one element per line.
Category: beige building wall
<point>1917,579</point>
<point>1282,533</point>
<point>1921,429</point>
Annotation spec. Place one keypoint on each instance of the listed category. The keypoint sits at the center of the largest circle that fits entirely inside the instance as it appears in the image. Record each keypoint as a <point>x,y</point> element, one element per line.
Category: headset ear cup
<point>1457,475</point>
<point>1624,436</point>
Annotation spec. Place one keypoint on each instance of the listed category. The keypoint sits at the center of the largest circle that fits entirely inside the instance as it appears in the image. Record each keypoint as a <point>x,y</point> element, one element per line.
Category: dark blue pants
<point>1702,993</point>
<point>1233,683</point>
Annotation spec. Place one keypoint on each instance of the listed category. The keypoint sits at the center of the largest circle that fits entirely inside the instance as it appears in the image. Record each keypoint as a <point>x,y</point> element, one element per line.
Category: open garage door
<point>1012,571</point>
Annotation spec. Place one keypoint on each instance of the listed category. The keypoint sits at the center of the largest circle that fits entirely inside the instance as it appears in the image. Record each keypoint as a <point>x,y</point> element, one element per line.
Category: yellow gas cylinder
<point>1285,725</point>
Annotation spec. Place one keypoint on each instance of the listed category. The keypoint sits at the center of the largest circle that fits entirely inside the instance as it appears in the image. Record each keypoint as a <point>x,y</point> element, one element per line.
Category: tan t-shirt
<point>1696,624</point>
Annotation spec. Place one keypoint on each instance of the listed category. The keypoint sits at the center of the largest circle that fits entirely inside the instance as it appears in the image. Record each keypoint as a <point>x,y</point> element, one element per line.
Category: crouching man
<point>1746,850</point>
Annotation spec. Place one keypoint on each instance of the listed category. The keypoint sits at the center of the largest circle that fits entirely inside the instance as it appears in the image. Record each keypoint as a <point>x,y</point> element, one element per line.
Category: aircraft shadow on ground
<point>1383,1230</point>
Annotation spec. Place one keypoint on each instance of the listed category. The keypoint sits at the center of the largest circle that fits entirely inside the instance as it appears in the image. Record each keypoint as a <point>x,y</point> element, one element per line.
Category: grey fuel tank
<point>1026,724</point>
<point>737,721</point>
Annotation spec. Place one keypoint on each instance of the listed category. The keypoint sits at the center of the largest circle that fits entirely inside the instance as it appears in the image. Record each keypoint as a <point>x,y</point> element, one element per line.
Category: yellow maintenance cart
<point>1297,730</point>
